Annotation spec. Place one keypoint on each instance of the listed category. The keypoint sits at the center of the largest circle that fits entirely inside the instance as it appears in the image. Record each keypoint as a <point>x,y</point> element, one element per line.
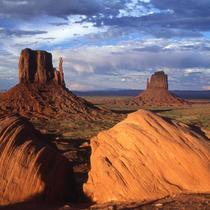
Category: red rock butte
<point>41,92</point>
<point>36,67</point>
<point>157,93</point>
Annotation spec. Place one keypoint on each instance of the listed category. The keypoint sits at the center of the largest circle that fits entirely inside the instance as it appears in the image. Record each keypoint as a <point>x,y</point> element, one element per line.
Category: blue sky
<point>110,44</point>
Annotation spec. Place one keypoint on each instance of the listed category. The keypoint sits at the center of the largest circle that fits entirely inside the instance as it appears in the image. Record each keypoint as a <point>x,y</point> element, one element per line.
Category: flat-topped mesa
<point>158,80</point>
<point>35,66</point>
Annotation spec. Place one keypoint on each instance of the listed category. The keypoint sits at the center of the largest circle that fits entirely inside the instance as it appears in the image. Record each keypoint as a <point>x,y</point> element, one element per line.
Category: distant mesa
<point>41,92</point>
<point>30,169</point>
<point>157,93</point>
<point>146,157</point>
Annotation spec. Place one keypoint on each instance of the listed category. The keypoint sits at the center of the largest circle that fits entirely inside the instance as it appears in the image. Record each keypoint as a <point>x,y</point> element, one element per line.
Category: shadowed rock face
<point>29,168</point>
<point>36,67</point>
<point>158,80</point>
<point>147,157</point>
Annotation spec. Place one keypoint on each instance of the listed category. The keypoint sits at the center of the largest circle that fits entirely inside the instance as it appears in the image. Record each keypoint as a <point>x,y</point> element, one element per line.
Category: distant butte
<point>157,93</point>
<point>41,92</point>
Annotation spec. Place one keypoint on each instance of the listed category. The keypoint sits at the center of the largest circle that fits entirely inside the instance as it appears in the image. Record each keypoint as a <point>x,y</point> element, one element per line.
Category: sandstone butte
<point>30,169</point>
<point>146,157</point>
<point>41,92</point>
<point>156,94</point>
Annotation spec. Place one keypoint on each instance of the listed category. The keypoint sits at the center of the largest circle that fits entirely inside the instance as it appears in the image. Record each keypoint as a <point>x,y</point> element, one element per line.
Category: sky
<point>110,44</point>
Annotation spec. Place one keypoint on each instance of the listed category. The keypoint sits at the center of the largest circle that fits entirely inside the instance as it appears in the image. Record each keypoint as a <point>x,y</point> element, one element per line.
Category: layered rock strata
<point>146,157</point>
<point>31,169</point>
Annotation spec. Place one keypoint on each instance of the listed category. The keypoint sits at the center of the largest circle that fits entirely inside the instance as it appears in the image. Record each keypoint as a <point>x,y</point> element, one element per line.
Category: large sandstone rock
<point>30,169</point>
<point>158,80</point>
<point>147,157</point>
<point>36,67</point>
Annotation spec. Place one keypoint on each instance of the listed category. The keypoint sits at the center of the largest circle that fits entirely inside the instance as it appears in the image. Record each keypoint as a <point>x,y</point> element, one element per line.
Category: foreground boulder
<point>147,157</point>
<point>30,169</point>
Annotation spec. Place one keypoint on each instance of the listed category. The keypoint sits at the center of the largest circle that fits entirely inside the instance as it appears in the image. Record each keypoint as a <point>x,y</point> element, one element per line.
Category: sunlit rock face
<point>31,169</point>
<point>147,157</point>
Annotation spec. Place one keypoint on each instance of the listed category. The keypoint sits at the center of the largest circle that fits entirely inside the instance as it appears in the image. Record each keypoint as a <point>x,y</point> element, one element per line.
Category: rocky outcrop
<point>61,80</point>
<point>36,67</point>
<point>157,93</point>
<point>30,169</point>
<point>147,157</point>
<point>41,92</point>
<point>158,80</point>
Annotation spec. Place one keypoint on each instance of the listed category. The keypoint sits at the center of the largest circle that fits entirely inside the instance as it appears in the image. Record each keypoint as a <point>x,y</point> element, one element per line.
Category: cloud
<point>128,64</point>
<point>24,9</point>
<point>165,18</point>
<point>76,86</point>
<point>112,43</point>
<point>206,87</point>
<point>19,33</point>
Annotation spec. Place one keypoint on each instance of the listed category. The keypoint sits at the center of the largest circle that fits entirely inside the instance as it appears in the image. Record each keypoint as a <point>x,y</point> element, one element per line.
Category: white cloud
<point>76,86</point>
<point>206,87</point>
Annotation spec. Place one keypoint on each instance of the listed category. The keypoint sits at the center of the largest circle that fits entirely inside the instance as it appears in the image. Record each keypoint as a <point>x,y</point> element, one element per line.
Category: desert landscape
<point>62,151</point>
<point>104,104</point>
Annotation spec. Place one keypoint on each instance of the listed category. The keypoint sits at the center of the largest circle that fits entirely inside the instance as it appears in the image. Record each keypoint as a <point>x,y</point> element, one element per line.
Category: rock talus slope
<point>147,157</point>
<point>29,168</point>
